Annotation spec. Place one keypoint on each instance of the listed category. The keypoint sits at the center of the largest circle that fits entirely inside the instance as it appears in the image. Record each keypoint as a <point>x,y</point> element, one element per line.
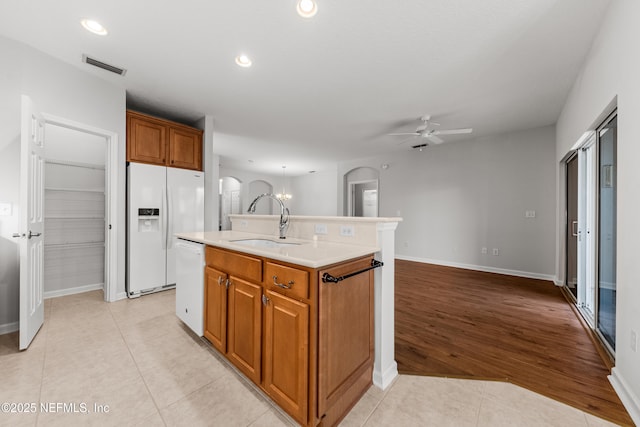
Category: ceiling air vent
<point>420,147</point>
<point>112,68</point>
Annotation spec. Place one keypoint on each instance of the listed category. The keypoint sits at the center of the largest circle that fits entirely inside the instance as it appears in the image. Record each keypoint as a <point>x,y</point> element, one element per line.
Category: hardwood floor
<point>470,324</point>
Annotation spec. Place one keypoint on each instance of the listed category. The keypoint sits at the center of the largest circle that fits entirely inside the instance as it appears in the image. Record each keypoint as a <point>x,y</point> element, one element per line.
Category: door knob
<point>33,234</point>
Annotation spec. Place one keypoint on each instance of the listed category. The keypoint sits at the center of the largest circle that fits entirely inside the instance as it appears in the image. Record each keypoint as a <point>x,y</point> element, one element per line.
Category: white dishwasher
<point>190,284</point>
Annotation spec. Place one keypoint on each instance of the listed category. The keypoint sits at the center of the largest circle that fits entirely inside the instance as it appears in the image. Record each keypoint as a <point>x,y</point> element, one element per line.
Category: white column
<point>385,368</point>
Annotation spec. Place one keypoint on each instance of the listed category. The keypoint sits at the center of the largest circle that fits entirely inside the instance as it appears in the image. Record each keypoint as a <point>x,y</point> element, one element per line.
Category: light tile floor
<point>136,358</point>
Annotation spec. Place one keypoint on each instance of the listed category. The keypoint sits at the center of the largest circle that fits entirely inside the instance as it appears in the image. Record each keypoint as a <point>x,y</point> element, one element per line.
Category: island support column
<point>385,368</point>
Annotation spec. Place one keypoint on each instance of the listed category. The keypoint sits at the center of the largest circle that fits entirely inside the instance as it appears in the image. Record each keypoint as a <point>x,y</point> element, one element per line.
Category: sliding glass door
<point>607,143</point>
<point>591,229</point>
<point>586,300</point>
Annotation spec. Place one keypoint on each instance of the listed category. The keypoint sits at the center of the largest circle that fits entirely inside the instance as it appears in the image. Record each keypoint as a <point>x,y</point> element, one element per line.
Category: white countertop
<point>308,253</point>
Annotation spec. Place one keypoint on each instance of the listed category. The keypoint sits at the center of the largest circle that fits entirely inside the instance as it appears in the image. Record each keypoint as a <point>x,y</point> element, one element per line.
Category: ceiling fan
<point>431,134</point>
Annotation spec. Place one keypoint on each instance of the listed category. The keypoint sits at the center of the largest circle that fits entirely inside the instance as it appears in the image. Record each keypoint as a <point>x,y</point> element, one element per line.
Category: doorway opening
<point>361,193</point>
<point>75,211</point>
<point>229,192</point>
<point>81,193</point>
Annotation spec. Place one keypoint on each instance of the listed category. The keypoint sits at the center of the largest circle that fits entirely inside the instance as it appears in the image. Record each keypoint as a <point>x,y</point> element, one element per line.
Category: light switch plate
<point>5,209</point>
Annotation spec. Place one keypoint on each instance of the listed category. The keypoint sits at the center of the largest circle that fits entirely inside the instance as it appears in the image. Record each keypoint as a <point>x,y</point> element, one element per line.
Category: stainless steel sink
<point>264,243</point>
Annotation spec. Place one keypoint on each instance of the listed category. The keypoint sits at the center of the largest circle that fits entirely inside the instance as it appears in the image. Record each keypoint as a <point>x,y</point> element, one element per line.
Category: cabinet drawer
<point>235,264</point>
<point>296,280</point>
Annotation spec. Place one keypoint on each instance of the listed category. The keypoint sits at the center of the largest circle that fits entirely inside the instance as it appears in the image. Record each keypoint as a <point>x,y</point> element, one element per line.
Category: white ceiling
<point>328,88</point>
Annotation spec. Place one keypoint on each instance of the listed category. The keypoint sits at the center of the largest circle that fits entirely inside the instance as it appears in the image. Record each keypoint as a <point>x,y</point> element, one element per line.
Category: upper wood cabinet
<point>162,142</point>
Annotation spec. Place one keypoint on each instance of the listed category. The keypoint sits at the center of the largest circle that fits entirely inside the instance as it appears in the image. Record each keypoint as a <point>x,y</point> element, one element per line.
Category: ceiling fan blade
<point>405,133</point>
<point>435,139</point>
<point>452,131</point>
<point>405,140</point>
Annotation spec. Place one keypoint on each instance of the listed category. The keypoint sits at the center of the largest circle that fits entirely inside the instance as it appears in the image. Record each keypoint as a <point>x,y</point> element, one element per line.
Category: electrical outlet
<point>530,214</point>
<point>321,229</point>
<point>346,230</point>
<point>244,223</point>
<point>634,340</point>
<point>483,250</point>
<point>495,251</point>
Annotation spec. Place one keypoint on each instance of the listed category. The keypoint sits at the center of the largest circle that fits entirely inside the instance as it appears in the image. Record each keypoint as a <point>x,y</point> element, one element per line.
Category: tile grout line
<point>384,396</point>
<point>146,386</point>
<point>482,400</point>
<point>44,361</point>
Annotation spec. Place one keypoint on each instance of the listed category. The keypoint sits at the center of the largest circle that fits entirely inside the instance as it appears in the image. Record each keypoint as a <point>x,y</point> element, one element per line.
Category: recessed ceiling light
<point>307,8</point>
<point>94,26</point>
<point>243,61</point>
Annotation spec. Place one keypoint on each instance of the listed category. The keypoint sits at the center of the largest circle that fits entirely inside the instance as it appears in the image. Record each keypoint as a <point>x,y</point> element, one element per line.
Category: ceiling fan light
<point>307,8</point>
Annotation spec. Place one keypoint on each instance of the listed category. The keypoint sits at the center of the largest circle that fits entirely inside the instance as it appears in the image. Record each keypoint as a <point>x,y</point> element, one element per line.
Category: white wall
<point>457,198</point>
<point>64,91</point>
<point>211,166</point>
<point>315,193</point>
<point>611,70</point>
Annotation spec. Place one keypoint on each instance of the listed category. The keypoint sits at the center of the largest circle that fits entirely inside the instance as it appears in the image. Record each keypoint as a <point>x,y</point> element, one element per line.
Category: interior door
<point>31,222</point>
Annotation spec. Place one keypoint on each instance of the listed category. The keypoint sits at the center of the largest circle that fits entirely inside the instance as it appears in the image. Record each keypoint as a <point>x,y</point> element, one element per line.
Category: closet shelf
<point>75,164</point>
<point>73,245</point>
<point>76,190</point>
<point>74,217</point>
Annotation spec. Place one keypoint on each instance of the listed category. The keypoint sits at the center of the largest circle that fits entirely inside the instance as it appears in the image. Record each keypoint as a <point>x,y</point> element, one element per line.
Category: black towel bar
<point>326,277</point>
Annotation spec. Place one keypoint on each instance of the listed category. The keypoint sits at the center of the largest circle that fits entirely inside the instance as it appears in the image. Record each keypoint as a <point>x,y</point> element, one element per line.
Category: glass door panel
<point>571,279</point>
<point>606,319</point>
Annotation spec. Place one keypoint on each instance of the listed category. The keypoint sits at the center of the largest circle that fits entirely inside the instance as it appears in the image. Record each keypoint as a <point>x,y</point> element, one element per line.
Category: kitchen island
<point>296,315</point>
<point>287,317</point>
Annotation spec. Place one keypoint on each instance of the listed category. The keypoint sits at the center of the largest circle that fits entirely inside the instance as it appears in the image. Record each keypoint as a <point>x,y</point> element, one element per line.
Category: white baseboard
<point>7,328</point>
<point>382,380</point>
<point>120,295</point>
<point>72,291</point>
<point>626,395</point>
<point>486,269</point>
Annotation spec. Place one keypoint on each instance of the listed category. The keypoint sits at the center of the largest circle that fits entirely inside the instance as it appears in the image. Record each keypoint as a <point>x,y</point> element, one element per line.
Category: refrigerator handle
<point>164,218</point>
<point>170,218</point>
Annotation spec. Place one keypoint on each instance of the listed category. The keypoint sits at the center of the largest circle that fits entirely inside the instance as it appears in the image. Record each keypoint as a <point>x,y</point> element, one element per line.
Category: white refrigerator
<point>161,201</point>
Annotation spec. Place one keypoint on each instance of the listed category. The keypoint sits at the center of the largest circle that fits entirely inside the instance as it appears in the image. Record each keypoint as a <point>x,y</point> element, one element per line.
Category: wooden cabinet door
<point>146,141</point>
<point>185,148</point>
<point>245,325</point>
<point>215,321</point>
<point>286,364</point>
<point>345,332</point>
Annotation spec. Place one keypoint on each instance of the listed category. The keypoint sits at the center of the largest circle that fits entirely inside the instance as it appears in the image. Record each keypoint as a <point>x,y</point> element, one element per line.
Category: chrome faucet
<point>284,212</point>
